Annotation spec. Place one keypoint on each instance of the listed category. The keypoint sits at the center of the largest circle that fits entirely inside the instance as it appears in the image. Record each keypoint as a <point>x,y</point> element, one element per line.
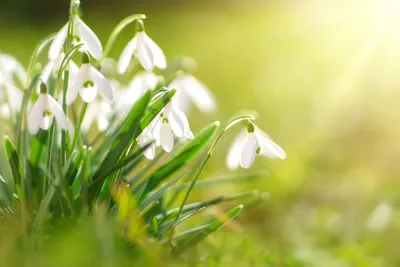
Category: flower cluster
<point>141,59</point>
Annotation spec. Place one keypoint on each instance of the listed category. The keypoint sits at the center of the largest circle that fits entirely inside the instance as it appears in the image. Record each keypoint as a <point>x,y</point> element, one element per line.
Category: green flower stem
<point>64,132</point>
<point>78,126</point>
<point>48,159</point>
<point>205,161</point>
<point>20,120</point>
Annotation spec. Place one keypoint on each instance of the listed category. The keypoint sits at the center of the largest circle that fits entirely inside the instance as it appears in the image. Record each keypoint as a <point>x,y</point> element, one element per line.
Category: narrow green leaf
<point>157,195</point>
<point>168,225</point>
<point>15,163</point>
<point>191,239</point>
<point>6,189</point>
<point>126,135</point>
<point>182,157</point>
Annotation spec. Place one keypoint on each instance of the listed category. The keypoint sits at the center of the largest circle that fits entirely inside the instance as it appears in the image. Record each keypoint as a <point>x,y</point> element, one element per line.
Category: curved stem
<point>117,30</point>
<point>48,159</point>
<point>205,161</point>
<point>78,128</point>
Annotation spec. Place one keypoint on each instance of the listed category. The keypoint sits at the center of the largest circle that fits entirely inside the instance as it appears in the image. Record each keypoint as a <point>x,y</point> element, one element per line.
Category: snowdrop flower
<point>53,66</point>
<point>9,67</point>
<point>81,34</point>
<point>146,139</point>
<point>171,121</point>
<point>43,112</point>
<point>86,82</point>
<point>99,112</point>
<point>146,50</point>
<point>250,143</point>
<point>11,98</point>
<point>189,88</point>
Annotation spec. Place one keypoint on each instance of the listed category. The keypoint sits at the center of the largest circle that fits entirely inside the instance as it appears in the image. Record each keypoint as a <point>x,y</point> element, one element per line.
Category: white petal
<point>158,55</point>
<point>46,72</point>
<point>126,56</point>
<point>46,122</point>
<point>166,137</point>
<point>268,147</point>
<point>233,157</point>
<point>56,109</point>
<point>76,83</point>
<point>35,115</point>
<point>88,93</point>
<point>103,84</point>
<point>93,43</point>
<point>180,123</point>
<point>249,151</point>
<point>58,42</point>
<point>199,94</point>
<point>144,140</point>
<point>144,52</point>
<point>90,116</point>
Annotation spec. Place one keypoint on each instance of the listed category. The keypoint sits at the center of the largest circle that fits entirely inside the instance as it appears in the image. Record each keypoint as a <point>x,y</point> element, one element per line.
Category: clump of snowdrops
<point>80,140</point>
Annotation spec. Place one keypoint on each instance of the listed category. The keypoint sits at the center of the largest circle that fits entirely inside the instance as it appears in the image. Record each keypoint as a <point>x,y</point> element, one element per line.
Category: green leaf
<point>73,166</point>
<point>157,195</point>
<point>6,190</point>
<point>126,135</point>
<point>192,237</point>
<point>15,163</point>
<point>140,116</point>
<point>181,158</point>
<point>170,224</point>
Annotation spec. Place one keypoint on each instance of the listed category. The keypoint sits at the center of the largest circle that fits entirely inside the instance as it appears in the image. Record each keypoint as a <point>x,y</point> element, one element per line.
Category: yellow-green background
<point>324,79</point>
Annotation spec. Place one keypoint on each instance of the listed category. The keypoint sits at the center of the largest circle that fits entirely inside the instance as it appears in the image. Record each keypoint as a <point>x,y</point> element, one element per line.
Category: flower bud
<point>250,127</point>
<point>85,58</point>
<point>43,88</point>
<point>75,8</point>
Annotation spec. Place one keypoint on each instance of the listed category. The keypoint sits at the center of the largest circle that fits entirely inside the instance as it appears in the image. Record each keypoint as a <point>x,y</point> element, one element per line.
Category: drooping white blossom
<point>248,144</point>
<point>87,80</point>
<point>10,67</point>
<point>144,49</point>
<point>189,89</point>
<point>145,139</point>
<point>100,112</point>
<point>53,66</point>
<point>42,113</point>
<point>171,122</point>
<point>81,34</point>
<point>10,98</point>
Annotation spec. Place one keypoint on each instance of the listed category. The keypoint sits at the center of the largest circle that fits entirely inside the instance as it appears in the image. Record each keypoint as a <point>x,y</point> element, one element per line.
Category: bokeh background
<point>324,78</point>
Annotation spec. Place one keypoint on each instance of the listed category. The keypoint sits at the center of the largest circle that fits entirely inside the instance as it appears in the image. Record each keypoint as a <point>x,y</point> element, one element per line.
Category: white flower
<point>81,34</point>
<point>10,66</point>
<point>86,82</point>
<point>171,121</point>
<point>53,66</point>
<point>138,86</point>
<point>146,50</point>
<point>145,139</point>
<point>250,143</point>
<point>43,112</point>
<point>99,112</point>
<point>11,98</point>
<point>189,88</point>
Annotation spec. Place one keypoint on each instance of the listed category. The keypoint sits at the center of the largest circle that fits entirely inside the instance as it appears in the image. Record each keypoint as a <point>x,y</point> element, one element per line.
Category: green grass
<point>333,110</point>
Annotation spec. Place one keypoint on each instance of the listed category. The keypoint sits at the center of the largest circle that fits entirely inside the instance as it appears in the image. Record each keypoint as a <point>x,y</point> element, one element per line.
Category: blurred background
<point>324,79</point>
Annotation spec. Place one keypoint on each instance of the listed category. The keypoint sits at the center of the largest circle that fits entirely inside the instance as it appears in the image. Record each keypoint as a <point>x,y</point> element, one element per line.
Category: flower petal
<point>126,56</point>
<point>166,137</point>
<point>35,115</point>
<point>199,94</point>
<point>93,43</point>
<point>88,93</point>
<point>46,122</point>
<point>233,157</point>
<point>249,151</point>
<point>158,55</point>
<point>103,84</point>
<point>180,123</point>
<point>58,42</point>
<point>269,148</point>
<point>56,109</point>
<point>144,140</point>
<point>144,52</point>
